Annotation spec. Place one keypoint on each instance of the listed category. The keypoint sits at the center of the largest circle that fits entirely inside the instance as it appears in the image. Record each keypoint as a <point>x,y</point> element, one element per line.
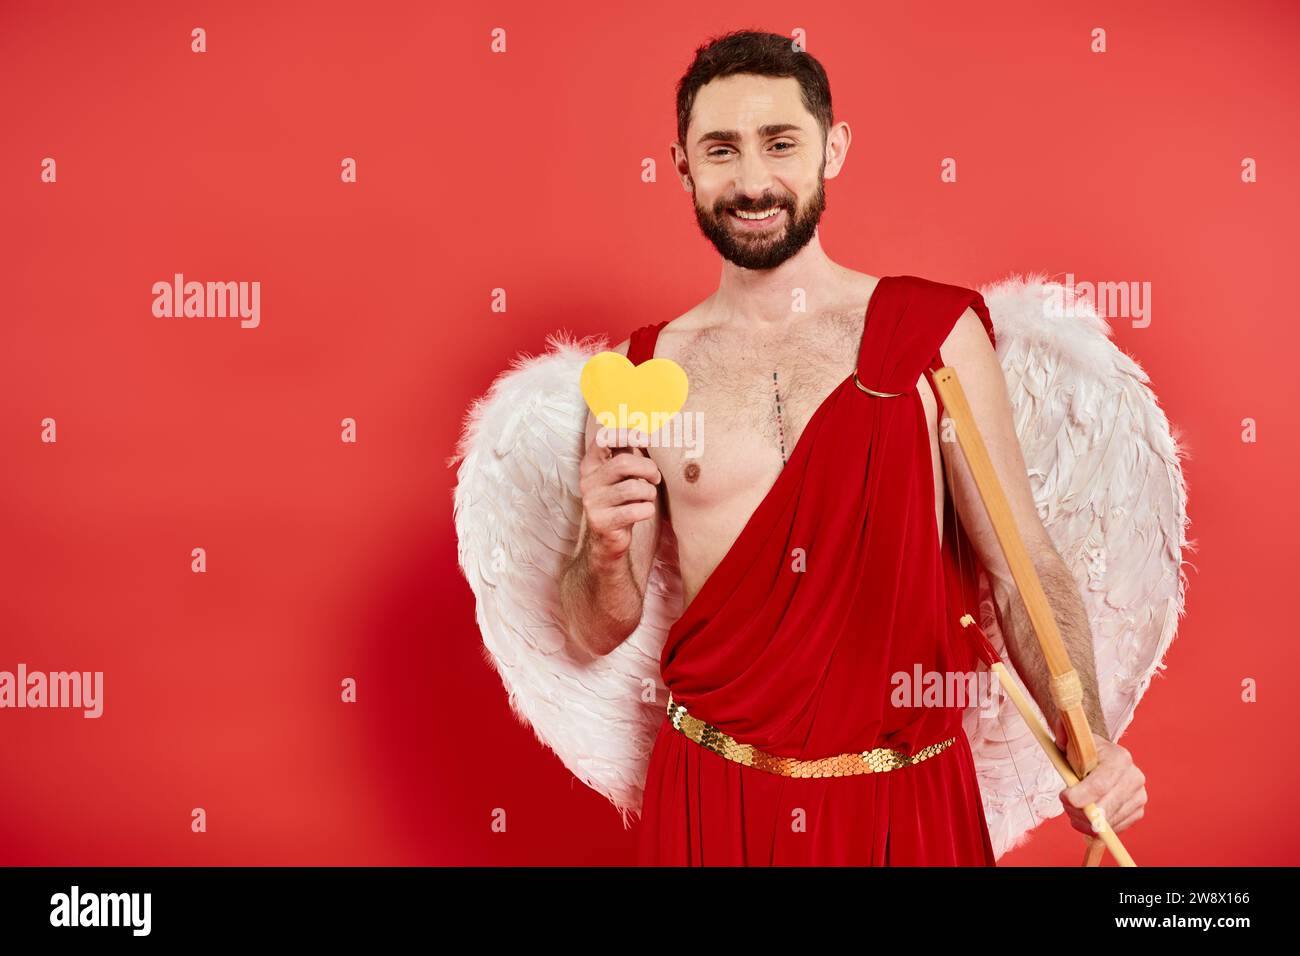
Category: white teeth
<point>757,215</point>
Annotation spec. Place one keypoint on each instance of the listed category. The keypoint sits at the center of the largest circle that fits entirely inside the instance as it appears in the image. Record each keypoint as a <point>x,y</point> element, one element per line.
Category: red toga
<point>798,662</point>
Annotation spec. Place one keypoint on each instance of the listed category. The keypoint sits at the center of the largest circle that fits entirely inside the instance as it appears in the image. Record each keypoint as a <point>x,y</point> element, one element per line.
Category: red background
<point>521,171</point>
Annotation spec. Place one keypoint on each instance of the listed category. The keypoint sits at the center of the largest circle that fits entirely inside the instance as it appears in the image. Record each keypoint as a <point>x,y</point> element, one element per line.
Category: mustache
<point>758,206</point>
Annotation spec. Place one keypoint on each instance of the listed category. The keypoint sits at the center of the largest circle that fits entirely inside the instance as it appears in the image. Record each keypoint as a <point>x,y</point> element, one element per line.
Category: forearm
<point>1076,633</point>
<point>600,599</point>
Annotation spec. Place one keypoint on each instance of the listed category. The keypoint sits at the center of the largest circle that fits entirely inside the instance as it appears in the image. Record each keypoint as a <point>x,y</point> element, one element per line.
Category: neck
<point>760,298</point>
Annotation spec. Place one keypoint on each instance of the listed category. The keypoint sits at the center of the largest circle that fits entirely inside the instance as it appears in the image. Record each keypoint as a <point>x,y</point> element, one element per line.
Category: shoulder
<point>642,339</point>
<point>694,319</point>
<point>962,317</point>
<point>930,290</point>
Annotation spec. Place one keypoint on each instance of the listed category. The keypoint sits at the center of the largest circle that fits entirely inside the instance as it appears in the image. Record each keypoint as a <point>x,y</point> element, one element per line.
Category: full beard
<point>761,250</point>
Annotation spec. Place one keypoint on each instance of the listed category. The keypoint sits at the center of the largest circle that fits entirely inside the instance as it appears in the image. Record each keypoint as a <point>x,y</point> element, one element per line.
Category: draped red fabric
<point>795,656</point>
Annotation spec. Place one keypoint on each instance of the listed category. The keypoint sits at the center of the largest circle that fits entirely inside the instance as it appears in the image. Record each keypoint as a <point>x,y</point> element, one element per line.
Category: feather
<point>1107,480</point>
<point>516,509</point>
<point>1103,464</point>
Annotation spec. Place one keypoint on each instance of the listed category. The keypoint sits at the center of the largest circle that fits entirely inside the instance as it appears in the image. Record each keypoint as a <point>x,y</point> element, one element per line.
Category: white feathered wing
<point>517,510</point>
<point>1107,478</point>
<point>1105,472</point>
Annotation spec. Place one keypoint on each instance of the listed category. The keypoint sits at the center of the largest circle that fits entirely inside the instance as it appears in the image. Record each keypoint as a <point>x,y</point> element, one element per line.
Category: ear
<point>681,166</point>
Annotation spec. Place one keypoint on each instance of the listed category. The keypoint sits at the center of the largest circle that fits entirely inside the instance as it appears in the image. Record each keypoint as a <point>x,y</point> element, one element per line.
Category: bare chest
<point>758,391</point>
<point>749,403</point>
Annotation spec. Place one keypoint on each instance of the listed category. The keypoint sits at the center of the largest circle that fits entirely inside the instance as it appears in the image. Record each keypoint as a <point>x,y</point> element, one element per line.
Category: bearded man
<point>817,535</point>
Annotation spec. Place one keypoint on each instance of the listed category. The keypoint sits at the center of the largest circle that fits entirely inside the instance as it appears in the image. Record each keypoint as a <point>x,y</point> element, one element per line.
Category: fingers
<point>619,492</point>
<point>604,468</point>
<point>1116,786</point>
<point>1081,821</point>
<point>1077,818</point>
<point>1131,814</point>
<point>1134,807</point>
<point>614,522</point>
<point>1133,810</point>
<point>633,512</point>
<point>1114,764</point>
<point>624,492</point>
<point>619,487</point>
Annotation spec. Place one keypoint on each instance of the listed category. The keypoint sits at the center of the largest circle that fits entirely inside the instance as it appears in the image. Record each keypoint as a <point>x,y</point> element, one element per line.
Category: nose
<point>753,179</point>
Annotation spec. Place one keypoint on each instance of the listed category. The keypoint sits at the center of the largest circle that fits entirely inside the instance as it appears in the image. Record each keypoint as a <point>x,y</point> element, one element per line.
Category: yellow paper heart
<point>623,395</point>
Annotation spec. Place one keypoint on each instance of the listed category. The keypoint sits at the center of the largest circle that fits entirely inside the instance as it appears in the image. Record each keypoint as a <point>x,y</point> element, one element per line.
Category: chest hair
<point>769,384</point>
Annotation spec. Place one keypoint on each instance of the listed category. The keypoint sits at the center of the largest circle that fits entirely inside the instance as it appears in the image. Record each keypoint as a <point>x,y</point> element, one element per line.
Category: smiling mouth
<point>757,220</point>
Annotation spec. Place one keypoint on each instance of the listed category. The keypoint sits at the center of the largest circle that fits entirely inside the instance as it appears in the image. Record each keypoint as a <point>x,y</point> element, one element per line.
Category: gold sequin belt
<point>880,760</point>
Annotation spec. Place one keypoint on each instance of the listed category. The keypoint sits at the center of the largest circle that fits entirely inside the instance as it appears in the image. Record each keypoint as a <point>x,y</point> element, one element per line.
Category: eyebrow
<point>732,136</point>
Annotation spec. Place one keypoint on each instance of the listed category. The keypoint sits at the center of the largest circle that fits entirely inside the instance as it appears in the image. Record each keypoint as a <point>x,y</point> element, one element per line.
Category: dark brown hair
<point>751,51</point>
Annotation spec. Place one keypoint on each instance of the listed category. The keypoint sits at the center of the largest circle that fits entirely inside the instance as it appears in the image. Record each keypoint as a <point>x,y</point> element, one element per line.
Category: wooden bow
<point>1066,688</point>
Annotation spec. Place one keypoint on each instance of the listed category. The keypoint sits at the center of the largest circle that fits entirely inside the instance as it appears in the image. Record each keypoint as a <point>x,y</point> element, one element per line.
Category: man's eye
<point>786,142</point>
<point>719,151</point>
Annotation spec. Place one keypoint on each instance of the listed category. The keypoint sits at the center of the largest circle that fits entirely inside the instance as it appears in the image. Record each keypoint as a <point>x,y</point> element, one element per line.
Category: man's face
<point>754,148</point>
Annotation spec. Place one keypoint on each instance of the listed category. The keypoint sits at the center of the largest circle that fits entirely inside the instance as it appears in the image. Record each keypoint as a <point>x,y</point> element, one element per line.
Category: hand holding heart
<point>619,490</point>
<point>624,396</point>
